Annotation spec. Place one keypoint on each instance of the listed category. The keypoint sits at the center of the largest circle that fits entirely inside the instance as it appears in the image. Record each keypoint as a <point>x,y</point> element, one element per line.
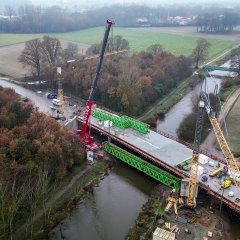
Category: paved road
<point>39,100</point>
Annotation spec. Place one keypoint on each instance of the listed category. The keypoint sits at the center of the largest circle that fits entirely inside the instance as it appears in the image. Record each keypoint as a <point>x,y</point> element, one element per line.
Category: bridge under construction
<point>162,150</point>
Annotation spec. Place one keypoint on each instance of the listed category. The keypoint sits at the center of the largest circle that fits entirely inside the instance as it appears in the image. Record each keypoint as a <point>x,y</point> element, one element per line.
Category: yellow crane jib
<point>231,161</point>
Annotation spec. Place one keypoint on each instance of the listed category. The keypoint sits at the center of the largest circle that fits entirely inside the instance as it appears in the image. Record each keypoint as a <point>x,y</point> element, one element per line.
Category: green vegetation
<point>141,40</point>
<point>138,40</point>
<point>10,39</point>
<point>232,122</point>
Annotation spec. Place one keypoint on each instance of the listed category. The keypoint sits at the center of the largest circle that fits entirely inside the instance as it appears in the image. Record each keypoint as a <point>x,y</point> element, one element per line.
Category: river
<point>109,212</point>
<point>177,113</point>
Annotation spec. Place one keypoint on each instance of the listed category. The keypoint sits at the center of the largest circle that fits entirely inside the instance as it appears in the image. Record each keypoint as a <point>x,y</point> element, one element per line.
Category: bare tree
<point>70,51</point>
<point>200,52</point>
<point>31,55</point>
<point>51,48</point>
<point>9,11</point>
<point>155,48</point>
<point>120,43</point>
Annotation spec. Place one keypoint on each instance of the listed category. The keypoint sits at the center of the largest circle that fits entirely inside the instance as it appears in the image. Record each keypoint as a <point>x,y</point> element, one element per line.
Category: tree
<point>9,11</point>
<point>200,52</point>
<point>51,48</point>
<point>120,43</point>
<point>32,55</point>
<point>70,51</point>
<point>155,48</point>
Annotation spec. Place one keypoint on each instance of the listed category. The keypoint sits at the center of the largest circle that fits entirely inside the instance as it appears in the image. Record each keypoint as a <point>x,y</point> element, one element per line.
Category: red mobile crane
<point>85,138</point>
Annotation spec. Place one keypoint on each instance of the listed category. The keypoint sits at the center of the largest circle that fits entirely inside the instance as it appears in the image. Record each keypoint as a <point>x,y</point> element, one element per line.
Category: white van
<point>56,102</point>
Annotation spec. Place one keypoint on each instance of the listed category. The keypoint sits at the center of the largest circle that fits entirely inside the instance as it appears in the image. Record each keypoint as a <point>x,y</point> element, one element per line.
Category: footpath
<point>49,203</point>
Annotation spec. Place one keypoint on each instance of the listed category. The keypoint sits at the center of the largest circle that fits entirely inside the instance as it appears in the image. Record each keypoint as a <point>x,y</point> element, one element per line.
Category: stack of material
<point>161,234</point>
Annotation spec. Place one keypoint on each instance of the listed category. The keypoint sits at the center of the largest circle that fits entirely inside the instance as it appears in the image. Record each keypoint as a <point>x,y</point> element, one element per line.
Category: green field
<point>10,39</point>
<point>232,122</point>
<point>138,40</point>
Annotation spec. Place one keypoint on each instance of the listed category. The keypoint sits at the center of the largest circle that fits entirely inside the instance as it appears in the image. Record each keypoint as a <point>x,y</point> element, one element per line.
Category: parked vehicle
<point>226,183</point>
<point>52,95</point>
<point>204,178</point>
<point>56,102</point>
<point>214,173</point>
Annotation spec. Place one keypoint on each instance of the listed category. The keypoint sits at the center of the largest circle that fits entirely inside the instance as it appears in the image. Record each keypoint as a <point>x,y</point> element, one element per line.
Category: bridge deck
<point>170,153</point>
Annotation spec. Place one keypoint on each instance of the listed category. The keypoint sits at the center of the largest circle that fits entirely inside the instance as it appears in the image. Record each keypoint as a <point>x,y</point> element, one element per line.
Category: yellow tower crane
<point>204,105</point>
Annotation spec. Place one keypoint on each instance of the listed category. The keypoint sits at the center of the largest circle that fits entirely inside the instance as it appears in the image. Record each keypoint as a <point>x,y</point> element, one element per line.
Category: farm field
<point>11,39</point>
<point>9,64</point>
<point>141,40</point>
<point>232,122</point>
<point>175,41</point>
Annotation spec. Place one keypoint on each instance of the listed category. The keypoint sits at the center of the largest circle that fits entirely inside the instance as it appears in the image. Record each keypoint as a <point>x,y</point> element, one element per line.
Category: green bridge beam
<point>226,69</point>
<point>121,122</point>
<point>143,166</point>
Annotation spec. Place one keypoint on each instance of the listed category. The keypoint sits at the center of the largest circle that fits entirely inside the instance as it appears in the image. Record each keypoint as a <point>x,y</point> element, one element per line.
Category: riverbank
<point>190,224</point>
<point>165,104</point>
<point>62,202</point>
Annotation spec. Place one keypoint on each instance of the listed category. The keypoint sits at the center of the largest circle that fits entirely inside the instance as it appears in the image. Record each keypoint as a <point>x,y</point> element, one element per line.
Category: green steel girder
<point>226,69</point>
<point>137,125</point>
<point>143,166</point>
<point>104,116</point>
<point>121,122</point>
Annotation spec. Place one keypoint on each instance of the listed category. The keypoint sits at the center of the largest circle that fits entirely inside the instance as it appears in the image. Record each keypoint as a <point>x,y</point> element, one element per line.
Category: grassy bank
<point>63,206</point>
<point>151,211</point>
<point>172,98</point>
<point>232,122</point>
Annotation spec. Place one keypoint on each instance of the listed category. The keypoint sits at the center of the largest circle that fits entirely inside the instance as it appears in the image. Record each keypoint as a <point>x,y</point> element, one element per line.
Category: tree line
<point>44,55</point>
<point>34,153</point>
<point>36,19</point>
<point>212,22</point>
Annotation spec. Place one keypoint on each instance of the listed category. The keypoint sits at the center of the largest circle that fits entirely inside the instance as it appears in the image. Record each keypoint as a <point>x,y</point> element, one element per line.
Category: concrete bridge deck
<point>167,153</point>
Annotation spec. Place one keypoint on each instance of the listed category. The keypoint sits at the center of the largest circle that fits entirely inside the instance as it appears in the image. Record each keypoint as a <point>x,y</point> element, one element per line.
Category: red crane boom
<point>85,139</point>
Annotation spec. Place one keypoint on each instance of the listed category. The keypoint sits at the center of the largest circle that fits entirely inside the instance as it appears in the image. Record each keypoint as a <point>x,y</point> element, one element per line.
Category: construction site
<point>182,167</point>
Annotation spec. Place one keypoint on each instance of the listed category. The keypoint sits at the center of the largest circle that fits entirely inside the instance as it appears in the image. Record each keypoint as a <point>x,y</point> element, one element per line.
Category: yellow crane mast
<point>60,90</point>
<point>192,184</point>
